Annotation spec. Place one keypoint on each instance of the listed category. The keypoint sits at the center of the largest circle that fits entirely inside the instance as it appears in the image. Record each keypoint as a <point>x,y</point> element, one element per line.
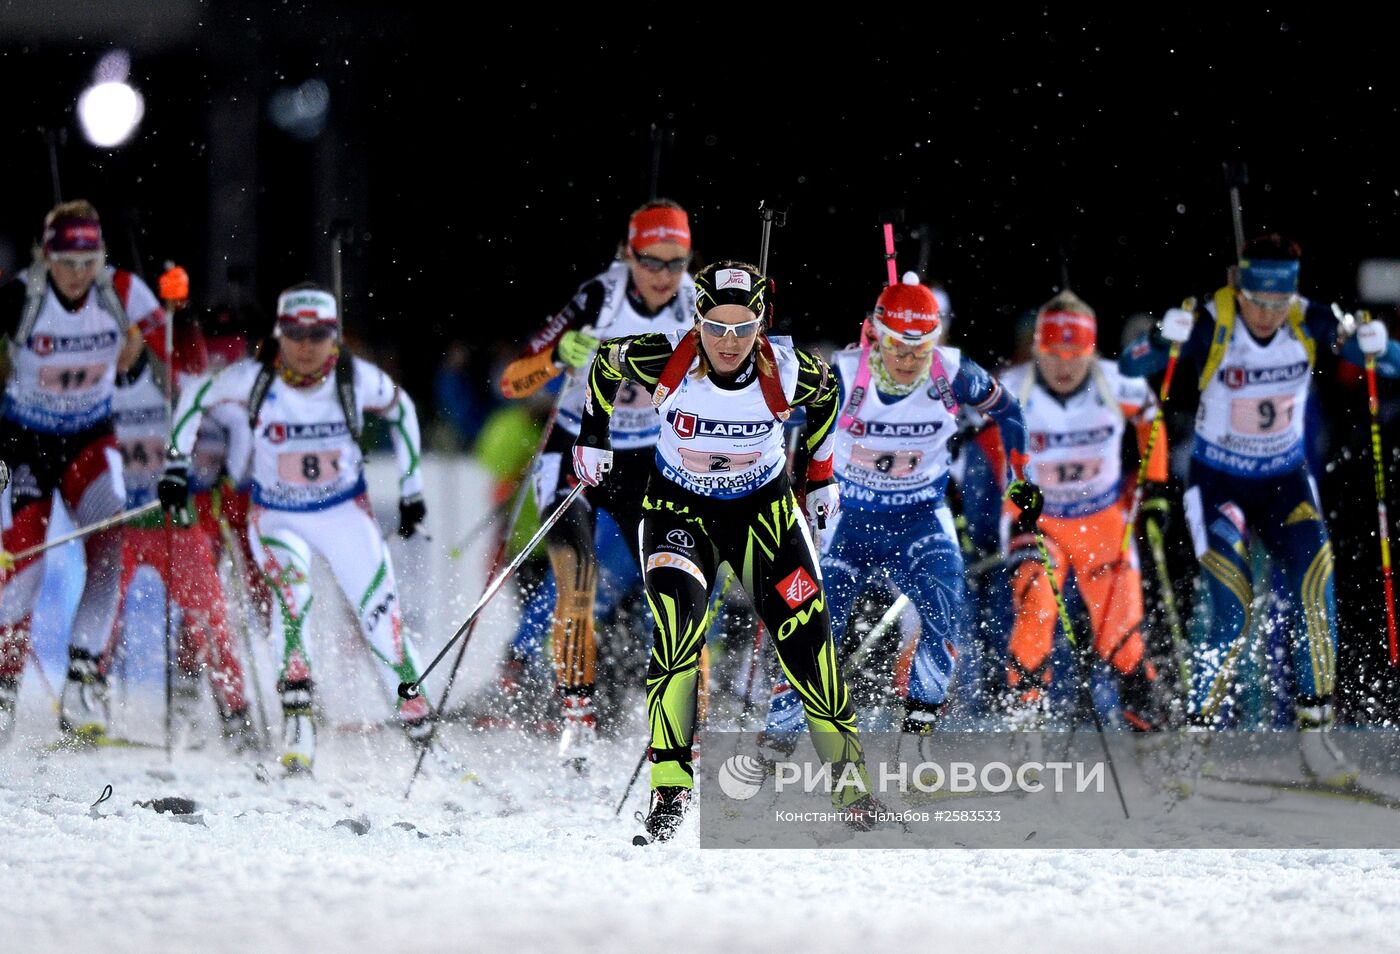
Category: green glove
<point>1157,508</point>
<point>576,349</point>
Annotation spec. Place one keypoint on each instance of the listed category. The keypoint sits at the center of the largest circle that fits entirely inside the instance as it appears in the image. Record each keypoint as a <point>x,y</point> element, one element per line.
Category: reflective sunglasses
<point>718,329</point>
<point>653,264</point>
<point>1268,304</point>
<point>315,333</point>
<point>897,349</point>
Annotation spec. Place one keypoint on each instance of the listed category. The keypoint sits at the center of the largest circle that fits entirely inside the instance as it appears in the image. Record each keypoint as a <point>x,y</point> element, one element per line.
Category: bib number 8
<point>309,468</point>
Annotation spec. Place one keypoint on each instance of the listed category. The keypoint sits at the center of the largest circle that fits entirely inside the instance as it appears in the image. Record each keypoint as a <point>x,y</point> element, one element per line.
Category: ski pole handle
<point>893,272</point>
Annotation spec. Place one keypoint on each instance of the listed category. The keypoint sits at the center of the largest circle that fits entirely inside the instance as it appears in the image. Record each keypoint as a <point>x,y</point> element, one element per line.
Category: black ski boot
<point>82,710</point>
<point>669,804</point>
<point>239,733</point>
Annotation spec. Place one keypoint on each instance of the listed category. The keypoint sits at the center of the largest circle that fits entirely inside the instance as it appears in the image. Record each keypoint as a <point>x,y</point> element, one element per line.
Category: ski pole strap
<point>677,366</point>
<point>771,383</point>
<point>857,396</point>
<point>942,384</point>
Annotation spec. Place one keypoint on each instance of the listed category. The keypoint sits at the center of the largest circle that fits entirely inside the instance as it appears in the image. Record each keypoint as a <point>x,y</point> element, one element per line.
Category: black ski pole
<point>1082,677</point>
<point>410,690</point>
<point>636,772</point>
<point>521,491</point>
<point>1236,177</point>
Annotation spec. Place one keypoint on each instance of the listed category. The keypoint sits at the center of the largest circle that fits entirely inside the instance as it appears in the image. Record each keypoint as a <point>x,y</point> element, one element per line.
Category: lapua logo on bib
<point>684,424</point>
<point>687,425</point>
<point>1051,440</point>
<point>797,587</point>
<point>277,433</point>
<point>1235,377</point>
<point>911,429</point>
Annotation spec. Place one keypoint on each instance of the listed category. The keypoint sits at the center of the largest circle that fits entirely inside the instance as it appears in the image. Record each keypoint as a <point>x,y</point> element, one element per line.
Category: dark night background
<point>487,169</point>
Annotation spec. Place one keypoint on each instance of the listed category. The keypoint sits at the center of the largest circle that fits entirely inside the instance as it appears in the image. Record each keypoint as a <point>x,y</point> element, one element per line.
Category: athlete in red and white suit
<point>72,321</point>
<point>182,555</point>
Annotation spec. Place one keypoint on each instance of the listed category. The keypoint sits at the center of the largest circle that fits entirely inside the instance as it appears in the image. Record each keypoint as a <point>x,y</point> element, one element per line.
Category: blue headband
<point>1268,275</point>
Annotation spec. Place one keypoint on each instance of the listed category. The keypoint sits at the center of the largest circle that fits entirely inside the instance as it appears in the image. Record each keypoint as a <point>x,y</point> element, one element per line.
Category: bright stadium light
<point>110,109</point>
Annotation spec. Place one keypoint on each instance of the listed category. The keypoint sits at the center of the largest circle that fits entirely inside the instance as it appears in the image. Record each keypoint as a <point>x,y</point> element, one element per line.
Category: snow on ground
<point>528,859</point>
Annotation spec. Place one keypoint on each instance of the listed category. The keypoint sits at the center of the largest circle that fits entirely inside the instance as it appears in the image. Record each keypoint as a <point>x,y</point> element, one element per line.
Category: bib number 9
<point>1261,415</point>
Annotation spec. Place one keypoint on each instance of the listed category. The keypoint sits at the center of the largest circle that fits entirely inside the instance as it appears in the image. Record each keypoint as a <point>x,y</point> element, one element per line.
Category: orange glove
<point>175,285</point>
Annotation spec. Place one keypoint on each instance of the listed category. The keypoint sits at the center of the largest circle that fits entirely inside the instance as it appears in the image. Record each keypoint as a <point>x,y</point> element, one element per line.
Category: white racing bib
<point>138,416</point>
<point>634,420</point>
<point>1251,415</point>
<point>1075,446</point>
<point>64,373</point>
<point>720,443</point>
<point>894,456</point>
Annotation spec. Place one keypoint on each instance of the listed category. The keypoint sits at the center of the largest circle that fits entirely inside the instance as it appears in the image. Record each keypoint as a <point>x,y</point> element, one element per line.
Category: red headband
<point>71,233</point>
<point>661,224</point>
<point>1068,333</point>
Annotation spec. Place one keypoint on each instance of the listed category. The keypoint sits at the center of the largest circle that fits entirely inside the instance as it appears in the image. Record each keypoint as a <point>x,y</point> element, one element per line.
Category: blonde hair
<point>76,209</point>
<point>1067,301</point>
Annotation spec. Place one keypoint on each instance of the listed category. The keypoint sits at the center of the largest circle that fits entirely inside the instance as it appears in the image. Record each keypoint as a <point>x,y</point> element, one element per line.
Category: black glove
<point>412,510</point>
<point>174,488</point>
<point>1156,507</point>
<point>1028,497</point>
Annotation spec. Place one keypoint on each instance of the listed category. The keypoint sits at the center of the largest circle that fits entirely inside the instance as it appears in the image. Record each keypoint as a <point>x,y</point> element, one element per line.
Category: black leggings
<point>763,536</point>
